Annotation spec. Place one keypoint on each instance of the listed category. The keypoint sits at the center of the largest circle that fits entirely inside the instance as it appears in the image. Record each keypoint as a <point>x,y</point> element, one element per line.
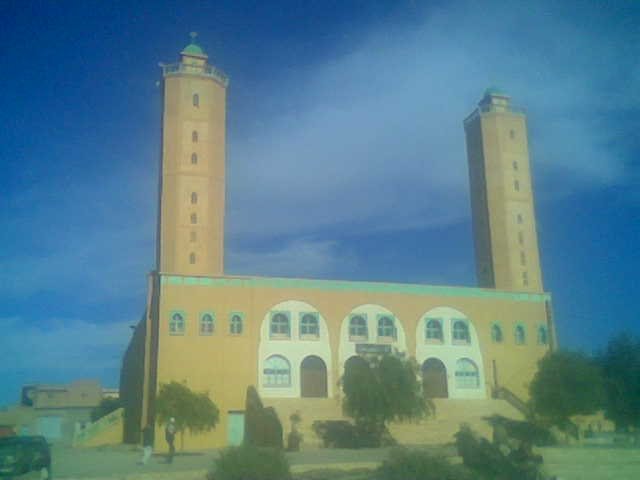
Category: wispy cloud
<point>298,258</point>
<point>63,345</point>
<point>374,139</point>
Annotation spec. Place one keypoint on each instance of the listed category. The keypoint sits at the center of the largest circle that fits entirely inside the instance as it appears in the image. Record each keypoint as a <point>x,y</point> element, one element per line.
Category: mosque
<point>291,338</point>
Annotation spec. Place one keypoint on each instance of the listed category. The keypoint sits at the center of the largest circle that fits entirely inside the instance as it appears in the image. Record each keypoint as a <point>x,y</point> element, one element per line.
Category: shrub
<point>521,430</point>
<point>406,464</point>
<point>294,439</point>
<point>262,426</point>
<point>511,460</point>
<point>250,463</point>
<point>343,434</point>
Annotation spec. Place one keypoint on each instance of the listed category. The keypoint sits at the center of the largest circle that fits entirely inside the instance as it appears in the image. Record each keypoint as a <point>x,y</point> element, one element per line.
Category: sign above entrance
<point>372,349</point>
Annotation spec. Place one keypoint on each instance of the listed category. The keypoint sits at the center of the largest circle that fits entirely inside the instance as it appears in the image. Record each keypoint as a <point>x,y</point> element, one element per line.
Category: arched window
<point>192,258</point>
<point>235,324</point>
<point>461,332</point>
<point>194,136</point>
<point>496,333</point>
<point>279,327</point>
<point>193,236</point>
<point>386,328</point>
<point>543,336</point>
<point>434,330</point>
<point>309,326</point>
<point>206,324</point>
<point>358,328</point>
<point>194,218</point>
<point>196,100</point>
<point>194,198</point>
<point>194,158</point>
<point>467,374</point>
<point>277,372</point>
<point>519,334</point>
<point>176,324</point>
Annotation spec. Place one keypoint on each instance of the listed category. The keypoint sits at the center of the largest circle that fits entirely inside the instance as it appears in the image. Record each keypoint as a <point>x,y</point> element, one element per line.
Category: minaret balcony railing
<point>490,108</point>
<point>200,70</point>
<point>501,108</point>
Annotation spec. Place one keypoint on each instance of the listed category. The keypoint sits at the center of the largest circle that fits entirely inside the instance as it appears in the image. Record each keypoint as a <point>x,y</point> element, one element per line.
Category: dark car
<point>25,457</point>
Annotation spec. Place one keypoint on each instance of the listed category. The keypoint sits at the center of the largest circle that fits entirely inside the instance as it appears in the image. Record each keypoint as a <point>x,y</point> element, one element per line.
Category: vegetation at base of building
<point>566,384</point>
<point>505,428</point>
<point>404,464</point>
<point>505,459</point>
<point>106,406</point>
<point>570,383</point>
<point>294,439</point>
<point>250,463</point>
<point>620,364</point>
<point>344,434</point>
<point>381,391</point>
<point>192,411</point>
<point>262,427</point>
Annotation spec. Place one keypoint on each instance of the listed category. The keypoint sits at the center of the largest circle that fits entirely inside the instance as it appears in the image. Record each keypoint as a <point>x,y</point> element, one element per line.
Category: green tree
<point>106,406</point>
<point>566,384</point>
<point>621,367</point>
<point>262,427</point>
<point>382,391</point>
<point>193,411</point>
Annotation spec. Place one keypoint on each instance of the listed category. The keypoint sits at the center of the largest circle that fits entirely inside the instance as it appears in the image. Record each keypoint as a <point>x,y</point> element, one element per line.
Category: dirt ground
<point>122,463</point>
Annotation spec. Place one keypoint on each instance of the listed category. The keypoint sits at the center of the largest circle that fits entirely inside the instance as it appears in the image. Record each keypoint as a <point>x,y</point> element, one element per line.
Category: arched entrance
<point>313,377</point>
<point>434,379</point>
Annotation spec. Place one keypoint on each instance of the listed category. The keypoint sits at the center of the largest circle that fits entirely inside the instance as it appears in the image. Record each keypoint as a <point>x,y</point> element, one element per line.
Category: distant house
<point>54,411</point>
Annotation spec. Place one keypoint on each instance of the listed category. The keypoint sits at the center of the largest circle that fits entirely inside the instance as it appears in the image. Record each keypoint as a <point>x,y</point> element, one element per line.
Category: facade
<point>53,411</point>
<point>291,338</point>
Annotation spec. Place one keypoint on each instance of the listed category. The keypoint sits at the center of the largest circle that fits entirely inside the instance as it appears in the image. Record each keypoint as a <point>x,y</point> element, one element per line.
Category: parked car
<point>25,458</point>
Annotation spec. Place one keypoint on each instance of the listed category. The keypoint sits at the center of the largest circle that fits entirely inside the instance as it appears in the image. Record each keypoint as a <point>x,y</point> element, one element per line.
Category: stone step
<point>436,429</point>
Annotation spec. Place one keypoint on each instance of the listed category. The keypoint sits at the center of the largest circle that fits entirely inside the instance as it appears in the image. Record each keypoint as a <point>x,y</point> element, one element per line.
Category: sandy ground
<point>592,463</point>
<point>122,463</point>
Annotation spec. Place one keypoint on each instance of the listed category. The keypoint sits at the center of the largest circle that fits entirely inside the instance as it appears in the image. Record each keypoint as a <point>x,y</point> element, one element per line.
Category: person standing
<point>170,435</point>
<point>147,444</point>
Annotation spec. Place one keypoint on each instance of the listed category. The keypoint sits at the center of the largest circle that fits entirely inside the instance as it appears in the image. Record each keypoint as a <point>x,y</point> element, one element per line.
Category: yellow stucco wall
<point>179,235</point>
<point>224,364</point>
<point>498,154</point>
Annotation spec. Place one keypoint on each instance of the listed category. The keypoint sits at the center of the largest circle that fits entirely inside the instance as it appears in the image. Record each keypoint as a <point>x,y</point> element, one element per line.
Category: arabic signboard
<point>372,349</point>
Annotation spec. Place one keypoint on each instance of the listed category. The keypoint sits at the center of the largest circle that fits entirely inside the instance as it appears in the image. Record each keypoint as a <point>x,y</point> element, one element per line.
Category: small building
<point>53,411</point>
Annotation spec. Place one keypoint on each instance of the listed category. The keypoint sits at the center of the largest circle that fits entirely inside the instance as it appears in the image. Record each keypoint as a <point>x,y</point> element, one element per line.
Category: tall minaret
<point>504,224</point>
<point>192,177</point>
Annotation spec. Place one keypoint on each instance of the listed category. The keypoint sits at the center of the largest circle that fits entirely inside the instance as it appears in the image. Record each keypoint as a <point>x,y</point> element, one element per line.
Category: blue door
<point>236,428</point>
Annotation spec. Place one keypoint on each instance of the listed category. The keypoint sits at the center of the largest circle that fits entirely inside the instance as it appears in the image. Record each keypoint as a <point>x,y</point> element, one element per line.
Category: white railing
<point>206,70</point>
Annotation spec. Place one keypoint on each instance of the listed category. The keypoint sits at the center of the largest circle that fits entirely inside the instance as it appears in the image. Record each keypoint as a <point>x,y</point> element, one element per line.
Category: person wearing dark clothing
<point>170,435</point>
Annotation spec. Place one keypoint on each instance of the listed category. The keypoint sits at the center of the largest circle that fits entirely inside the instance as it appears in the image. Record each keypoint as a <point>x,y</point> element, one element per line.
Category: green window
<point>176,324</point>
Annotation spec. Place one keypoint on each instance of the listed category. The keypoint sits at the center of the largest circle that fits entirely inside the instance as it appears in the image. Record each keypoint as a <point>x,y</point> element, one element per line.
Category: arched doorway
<point>434,379</point>
<point>313,377</point>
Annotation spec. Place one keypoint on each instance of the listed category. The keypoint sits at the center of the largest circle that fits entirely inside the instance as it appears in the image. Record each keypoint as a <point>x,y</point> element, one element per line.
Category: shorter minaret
<point>502,205</point>
<point>192,177</point>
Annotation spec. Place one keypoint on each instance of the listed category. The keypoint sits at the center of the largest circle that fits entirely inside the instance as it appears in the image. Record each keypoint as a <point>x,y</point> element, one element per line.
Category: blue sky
<point>346,155</point>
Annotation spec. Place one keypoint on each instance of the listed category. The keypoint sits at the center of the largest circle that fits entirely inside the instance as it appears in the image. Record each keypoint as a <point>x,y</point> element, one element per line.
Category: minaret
<point>504,224</point>
<point>192,177</point>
